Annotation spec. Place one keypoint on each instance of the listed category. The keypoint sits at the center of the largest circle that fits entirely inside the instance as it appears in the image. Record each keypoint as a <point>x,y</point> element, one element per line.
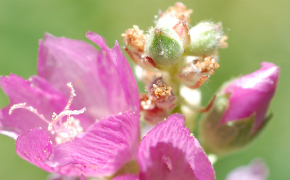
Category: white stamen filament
<point>65,131</point>
<point>72,94</point>
<point>29,108</point>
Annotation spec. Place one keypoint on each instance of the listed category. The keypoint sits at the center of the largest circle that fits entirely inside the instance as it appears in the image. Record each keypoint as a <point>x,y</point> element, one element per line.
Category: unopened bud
<point>164,47</point>
<point>239,112</point>
<point>205,39</point>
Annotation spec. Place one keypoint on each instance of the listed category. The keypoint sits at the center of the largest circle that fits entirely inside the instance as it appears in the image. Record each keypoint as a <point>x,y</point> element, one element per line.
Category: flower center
<point>65,131</point>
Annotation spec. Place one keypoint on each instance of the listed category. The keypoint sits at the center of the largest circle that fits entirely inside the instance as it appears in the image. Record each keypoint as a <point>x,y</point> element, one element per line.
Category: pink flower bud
<point>239,112</point>
<point>251,94</point>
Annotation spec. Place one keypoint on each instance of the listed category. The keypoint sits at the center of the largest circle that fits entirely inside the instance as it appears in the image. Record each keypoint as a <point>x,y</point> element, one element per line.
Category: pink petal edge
<point>103,148</point>
<point>169,152</point>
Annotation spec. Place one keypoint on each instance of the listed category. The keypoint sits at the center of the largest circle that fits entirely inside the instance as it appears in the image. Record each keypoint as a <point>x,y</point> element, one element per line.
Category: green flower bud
<point>205,39</point>
<point>224,138</point>
<point>164,47</point>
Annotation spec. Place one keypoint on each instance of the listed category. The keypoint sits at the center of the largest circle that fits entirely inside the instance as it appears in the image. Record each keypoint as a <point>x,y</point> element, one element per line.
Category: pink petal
<point>251,94</point>
<point>35,147</point>
<point>35,92</point>
<point>123,69</point>
<point>93,74</point>
<point>103,148</point>
<point>83,177</point>
<point>169,152</point>
<point>127,177</point>
<point>127,78</point>
<point>256,170</point>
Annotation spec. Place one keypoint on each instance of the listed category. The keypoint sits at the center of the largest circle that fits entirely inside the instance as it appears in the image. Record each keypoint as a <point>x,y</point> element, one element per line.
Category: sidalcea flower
<point>83,135</point>
<point>94,129</point>
<point>170,152</point>
<point>239,111</point>
<point>256,170</point>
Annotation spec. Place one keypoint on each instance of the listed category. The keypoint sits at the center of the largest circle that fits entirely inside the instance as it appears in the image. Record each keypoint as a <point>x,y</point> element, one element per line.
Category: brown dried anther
<point>159,101</point>
<point>135,38</point>
<point>134,45</point>
<point>208,65</point>
<point>161,93</point>
<point>195,73</point>
<point>179,11</point>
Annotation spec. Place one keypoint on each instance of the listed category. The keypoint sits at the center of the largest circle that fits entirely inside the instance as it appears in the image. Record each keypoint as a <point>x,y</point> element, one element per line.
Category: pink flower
<point>170,152</point>
<point>256,170</point>
<point>251,95</point>
<point>104,85</point>
<point>101,132</point>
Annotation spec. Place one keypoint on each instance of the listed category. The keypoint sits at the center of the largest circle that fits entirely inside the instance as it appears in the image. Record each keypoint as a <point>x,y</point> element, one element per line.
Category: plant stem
<point>175,86</point>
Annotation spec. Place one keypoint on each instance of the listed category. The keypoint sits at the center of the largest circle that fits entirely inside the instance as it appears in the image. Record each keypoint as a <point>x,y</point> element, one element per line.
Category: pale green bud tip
<point>167,22</point>
<point>164,47</point>
<point>205,38</point>
<point>225,138</point>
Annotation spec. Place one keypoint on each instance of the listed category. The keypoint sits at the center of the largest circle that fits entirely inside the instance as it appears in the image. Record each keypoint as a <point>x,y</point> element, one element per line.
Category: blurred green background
<point>258,31</point>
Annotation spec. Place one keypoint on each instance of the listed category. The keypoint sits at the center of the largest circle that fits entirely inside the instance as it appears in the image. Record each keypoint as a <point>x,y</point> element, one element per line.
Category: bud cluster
<point>181,54</point>
<point>172,42</point>
<point>174,59</point>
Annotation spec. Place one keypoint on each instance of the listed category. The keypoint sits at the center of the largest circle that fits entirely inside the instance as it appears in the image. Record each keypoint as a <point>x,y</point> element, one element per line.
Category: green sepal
<point>164,47</point>
<point>205,39</point>
<point>221,139</point>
